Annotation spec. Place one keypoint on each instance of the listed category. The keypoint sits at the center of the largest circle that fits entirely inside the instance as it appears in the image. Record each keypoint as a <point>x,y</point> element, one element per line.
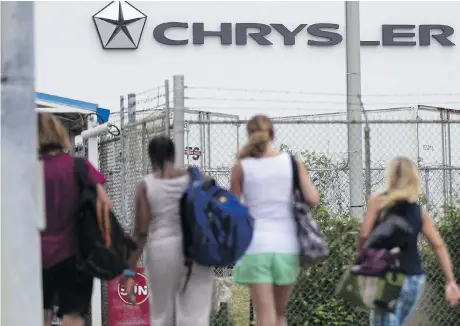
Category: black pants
<point>63,288</point>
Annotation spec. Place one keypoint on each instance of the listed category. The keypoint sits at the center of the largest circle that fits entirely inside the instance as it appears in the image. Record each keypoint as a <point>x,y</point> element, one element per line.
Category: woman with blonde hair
<point>402,190</point>
<point>264,177</point>
<point>58,240</point>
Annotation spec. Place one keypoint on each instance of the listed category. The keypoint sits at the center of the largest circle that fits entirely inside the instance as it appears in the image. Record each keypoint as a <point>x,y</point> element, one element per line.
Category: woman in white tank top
<point>263,177</point>
<point>158,227</point>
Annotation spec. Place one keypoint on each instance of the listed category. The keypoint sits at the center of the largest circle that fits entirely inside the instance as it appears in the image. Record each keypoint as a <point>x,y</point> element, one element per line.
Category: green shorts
<point>275,268</point>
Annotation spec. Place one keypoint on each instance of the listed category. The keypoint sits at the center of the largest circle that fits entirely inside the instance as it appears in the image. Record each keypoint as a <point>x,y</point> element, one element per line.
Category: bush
<point>313,301</point>
<point>435,305</point>
<point>222,317</point>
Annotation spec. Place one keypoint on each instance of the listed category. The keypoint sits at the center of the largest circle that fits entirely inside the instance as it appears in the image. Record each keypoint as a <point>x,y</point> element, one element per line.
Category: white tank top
<point>267,191</point>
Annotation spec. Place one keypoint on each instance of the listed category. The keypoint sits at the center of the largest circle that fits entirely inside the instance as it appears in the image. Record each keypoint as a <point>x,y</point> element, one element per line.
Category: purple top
<point>59,238</point>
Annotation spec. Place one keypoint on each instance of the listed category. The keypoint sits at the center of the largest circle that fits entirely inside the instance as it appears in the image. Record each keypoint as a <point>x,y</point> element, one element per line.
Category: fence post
<point>93,157</point>
<point>449,162</point>
<point>251,312</point>
<point>179,118</point>
<point>355,142</point>
<point>427,186</point>
<point>367,160</point>
<point>208,137</point>
<point>167,117</point>
<point>21,274</point>
<point>131,107</point>
<point>122,159</point>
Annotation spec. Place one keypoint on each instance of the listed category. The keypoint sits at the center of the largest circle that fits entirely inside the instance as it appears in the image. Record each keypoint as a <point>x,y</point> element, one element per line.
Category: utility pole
<point>22,213</point>
<point>179,123</point>
<point>355,142</point>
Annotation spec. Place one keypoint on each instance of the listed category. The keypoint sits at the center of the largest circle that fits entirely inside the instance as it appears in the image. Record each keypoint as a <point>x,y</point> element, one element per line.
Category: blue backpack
<point>217,228</point>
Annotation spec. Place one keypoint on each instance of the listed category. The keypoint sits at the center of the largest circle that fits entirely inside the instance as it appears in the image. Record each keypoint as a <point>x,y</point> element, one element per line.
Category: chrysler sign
<point>319,34</point>
<point>120,26</point>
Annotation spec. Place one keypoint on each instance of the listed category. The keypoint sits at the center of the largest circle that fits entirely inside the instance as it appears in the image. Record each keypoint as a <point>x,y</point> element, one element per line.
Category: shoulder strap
<point>295,174</point>
<point>194,173</point>
<point>81,170</point>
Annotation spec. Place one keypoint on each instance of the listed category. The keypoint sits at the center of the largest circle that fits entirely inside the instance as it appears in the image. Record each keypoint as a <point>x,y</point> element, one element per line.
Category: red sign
<point>120,311</point>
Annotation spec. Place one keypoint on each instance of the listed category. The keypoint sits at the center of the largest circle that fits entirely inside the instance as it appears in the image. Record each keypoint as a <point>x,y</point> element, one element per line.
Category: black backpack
<point>103,248</point>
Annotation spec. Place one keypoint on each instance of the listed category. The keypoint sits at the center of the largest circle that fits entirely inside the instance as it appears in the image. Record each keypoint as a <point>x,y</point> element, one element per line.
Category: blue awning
<point>67,105</point>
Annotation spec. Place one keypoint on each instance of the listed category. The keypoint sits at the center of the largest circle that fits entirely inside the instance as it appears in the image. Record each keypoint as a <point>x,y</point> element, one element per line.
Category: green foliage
<point>222,317</point>
<point>313,301</point>
<point>436,306</point>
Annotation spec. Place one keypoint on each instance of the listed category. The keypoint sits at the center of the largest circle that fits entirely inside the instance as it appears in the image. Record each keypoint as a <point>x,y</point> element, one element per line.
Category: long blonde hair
<point>402,182</point>
<point>260,134</point>
<point>52,135</point>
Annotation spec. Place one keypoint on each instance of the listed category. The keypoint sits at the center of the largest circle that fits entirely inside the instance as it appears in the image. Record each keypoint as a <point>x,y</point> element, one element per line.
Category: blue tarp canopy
<point>63,105</point>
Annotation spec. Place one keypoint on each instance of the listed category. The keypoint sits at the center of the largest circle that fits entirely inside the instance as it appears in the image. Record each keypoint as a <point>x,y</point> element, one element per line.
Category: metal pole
<point>187,141</point>
<point>131,107</point>
<point>367,160</point>
<point>427,187</point>
<point>367,153</point>
<point>237,136</point>
<point>449,160</point>
<point>355,142</point>
<point>179,118</point>
<point>251,313</point>
<point>122,160</point>
<point>167,117</point>
<point>22,211</point>
<point>93,157</point>
<point>208,137</point>
<point>202,141</point>
<point>130,160</point>
<point>443,146</point>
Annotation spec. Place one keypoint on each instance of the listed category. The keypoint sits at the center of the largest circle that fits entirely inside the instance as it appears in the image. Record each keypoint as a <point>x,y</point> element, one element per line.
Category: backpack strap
<point>81,171</point>
<point>195,175</point>
<point>81,175</point>
<point>295,178</point>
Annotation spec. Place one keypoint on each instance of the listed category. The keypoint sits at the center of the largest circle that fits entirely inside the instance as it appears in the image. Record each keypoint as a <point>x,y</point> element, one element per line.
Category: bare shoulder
<point>141,188</point>
<point>425,215</point>
<point>237,168</point>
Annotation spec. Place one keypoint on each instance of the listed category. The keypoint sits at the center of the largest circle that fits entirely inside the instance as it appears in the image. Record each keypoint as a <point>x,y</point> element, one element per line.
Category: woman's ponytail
<point>260,133</point>
<point>257,143</point>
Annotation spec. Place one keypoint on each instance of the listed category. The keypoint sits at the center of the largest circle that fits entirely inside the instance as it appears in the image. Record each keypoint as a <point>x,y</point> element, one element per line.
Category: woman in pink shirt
<point>58,240</point>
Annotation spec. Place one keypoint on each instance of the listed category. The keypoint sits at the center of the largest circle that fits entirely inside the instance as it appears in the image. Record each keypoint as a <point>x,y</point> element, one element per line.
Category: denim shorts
<point>406,305</point>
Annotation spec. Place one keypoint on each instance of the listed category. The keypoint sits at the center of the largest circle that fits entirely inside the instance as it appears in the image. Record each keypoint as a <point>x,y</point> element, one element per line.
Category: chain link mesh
<point>324,150</point>
<point>121,189</point>
<point>323,147</point>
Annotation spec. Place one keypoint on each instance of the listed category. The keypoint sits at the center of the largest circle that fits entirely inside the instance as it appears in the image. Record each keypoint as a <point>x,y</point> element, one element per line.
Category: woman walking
<point>264,178</point>
<point>58,240</point>
<point>158,228</point>
<point>403,188</point>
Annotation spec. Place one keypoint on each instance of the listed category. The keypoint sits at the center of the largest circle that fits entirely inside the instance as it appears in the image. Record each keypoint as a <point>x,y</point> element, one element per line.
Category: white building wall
<point>71,62</point>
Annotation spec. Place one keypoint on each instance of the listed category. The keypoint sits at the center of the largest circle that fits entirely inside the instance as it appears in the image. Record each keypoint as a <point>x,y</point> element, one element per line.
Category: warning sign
<point>141,290</point>
<point>120,311</point>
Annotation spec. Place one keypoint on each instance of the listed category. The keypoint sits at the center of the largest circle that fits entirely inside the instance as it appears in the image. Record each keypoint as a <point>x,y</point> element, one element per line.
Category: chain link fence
<point>323,147</point>
<point>124,167</point>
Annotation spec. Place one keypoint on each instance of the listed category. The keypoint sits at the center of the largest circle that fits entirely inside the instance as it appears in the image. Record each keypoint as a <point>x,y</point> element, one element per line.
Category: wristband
<point>129,272</point>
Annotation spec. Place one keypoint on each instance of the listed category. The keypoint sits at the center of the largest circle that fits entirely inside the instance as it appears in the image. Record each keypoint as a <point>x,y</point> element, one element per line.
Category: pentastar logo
<point>119,25</point>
